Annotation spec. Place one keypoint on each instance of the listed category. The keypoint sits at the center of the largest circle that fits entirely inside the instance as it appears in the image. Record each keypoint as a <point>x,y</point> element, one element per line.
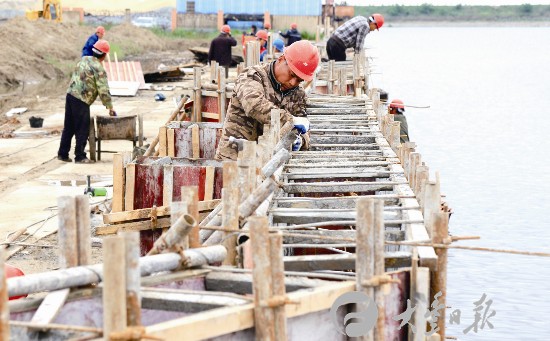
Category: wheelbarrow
<point>114,128</point>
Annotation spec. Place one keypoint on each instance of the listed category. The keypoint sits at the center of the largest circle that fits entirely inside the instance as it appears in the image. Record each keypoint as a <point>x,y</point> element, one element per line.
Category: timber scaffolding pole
<point>355,178</point>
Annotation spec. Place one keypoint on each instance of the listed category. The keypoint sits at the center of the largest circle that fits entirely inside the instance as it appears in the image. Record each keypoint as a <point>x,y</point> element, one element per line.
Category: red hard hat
<point>293,25</point>
<point>12,271</point>
<point>302,58</point>
<point>267,26</point>
<point>102,45</point>
<point>378,19</point>
<point>262,34</point>
<point>100,29</point>
<point>398,104</point>
<point>226,29</point>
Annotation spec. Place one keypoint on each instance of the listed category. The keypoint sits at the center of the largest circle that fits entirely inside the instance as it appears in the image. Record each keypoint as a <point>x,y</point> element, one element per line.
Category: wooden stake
<point>4,306</point>
<point>330,77</point>
<point>230,220</point>
<point>209,183</point>
<point>195,141</point>
<point>439,277</point>
<point>140,130</point>
<point>118,183</point>
<point>114,286</point>
<point>190,195</point>
<point>170,142</point>
<point>67,232</point>
<point>364,265</point>
<point>168,185</point>
<point>379,267</point>
<point>130,187</point>
<point>222,97</point>
<point>278,283</point>
<point>262,286</point>
<point>133,278</point>
<point>432,202</point>
<point>163,141</point>
<point>83,227</point>
<point>197,94</point>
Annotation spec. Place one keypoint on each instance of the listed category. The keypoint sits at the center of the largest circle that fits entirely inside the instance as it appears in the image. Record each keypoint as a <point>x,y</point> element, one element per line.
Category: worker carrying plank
<point>261,88</point>
<point>352,35</point>
<point>88,81</point>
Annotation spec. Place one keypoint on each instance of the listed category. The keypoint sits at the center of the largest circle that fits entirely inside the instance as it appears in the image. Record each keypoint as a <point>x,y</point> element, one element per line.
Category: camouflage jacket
<point>253,98</point>
<point>89,80</point>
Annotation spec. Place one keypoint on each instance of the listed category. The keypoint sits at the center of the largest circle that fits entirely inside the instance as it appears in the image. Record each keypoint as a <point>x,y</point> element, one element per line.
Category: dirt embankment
<point>45,53</point>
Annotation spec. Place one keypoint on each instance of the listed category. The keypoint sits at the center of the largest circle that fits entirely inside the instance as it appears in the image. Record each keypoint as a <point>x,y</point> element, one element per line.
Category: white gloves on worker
<point>297,144</point>
<point>301,124</point>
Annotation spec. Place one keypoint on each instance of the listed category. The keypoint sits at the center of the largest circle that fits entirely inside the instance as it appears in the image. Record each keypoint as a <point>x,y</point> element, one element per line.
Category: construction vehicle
<point>51,10</point>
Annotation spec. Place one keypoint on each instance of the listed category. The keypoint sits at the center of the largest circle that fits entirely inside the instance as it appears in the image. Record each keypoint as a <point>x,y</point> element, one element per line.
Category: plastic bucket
<point>36,122</point>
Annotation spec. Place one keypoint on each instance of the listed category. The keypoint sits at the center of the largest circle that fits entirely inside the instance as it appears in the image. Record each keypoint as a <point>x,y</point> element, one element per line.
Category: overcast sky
<point>444,2</point>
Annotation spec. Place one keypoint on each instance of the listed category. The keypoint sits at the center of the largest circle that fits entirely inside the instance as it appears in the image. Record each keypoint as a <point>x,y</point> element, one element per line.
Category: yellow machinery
<point>51,10</point>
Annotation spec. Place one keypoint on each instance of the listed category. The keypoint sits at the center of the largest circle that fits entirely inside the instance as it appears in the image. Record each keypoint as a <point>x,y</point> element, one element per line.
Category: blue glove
<point>301,124</point>
<point>297,144</point>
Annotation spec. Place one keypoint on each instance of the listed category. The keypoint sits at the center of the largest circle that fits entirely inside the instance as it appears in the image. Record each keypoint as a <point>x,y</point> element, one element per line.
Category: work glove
<point>297,144</point>
<point>112,112</point>
<point>301,124</point>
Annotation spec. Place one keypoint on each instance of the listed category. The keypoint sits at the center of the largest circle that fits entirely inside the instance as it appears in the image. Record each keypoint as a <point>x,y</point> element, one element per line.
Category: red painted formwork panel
<point>210,104</point>
<point>209,138</point>
<point>149,181</point>
<point>195,176</point>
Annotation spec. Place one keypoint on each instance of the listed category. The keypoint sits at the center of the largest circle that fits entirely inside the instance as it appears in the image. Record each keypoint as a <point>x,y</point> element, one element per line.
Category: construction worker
<point>397,109</point>
<point>253,30</point>
<point>267,27</point>
<point>87,49</point>
<point>220,49</point>
<point>260,88</point>
<point>262,37</point>
<point>278,47</point>
<point>352,35</point>
<point>291,35</point>
<point>88,81</point>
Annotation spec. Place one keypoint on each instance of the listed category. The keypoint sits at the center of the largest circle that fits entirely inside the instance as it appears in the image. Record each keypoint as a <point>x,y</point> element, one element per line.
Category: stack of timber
<point>293,231</point>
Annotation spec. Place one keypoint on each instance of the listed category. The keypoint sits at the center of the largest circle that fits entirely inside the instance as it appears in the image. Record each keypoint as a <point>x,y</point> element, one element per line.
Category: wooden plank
<point>168,185</point>
<point>145,213</point>
<point>163,141</point>
<point>50,307</point>
<point>211,115</point>
<point>118,183</point>
<point>83,227</point>
<point>130,186</point>
<point>195,141</point>
<point>396,259</point>
<point>114,288</point>
<point>132,226</point>
<point>209,183</point>
<point>170,143</point>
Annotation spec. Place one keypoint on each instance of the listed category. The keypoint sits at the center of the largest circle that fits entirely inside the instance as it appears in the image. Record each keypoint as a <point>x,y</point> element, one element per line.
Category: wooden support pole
<point>230,220</point>
<point>278,283</point>
<point>343,82</point>
<point>364,264</point>
<point>170,142</point>
<point>209,183</point>
<point>379,267</point>
<point>4,306</point>
<point>114,286</point>
<point>195,141</point>
<point>262,285</point>
<point>174,236</point>
<point>83,227</point>
<point>247,169</point>
<point>213,71</point>
<point>168,184</point>
<point>415,160</point>
<point>190,195</point>
<point>330,77</point>
<point>130,186</point>
<point>197,94</point>
<point>422,175</point>
<point>222,95</point>
<point>439,277</point>
<point>432,203</point>
<point>396,136</point>
<point>67,232</point>
<point>133,278</point>
<point>275,126</point>
<point>163,141</point>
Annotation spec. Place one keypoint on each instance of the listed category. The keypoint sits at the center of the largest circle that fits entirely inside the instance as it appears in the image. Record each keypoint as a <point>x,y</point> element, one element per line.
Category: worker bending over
<point>261,88</point>
<point>352,35</point>
<point>88,81</point>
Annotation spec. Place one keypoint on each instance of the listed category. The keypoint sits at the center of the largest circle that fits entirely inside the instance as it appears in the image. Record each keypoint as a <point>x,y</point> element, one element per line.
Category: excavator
<point>51,10</point>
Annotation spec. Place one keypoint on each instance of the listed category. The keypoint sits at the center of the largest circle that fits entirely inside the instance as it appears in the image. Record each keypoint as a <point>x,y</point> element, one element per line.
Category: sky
<point>443,2</point>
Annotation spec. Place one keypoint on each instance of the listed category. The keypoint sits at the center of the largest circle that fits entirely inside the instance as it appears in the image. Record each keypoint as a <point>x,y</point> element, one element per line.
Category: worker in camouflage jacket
<point>88,81</point>
<point>261,88</point>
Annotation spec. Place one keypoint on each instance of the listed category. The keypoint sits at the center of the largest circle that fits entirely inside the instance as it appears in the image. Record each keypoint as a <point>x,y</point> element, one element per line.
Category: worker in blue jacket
<point>87,49</point>
<point>292,35</point>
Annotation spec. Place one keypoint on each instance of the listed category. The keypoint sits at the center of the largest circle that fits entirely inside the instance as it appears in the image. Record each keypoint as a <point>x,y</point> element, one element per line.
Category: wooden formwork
<point>189,139</point>
<point>353,213</point>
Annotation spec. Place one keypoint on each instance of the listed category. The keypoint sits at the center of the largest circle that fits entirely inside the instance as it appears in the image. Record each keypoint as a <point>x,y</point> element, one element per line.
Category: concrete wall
<point>305,23</point>
<point>197,21</point>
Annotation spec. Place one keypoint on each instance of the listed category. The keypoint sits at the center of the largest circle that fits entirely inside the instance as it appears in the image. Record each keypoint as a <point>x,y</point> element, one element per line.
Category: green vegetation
<point>183,33</point>
<point>427,11</point>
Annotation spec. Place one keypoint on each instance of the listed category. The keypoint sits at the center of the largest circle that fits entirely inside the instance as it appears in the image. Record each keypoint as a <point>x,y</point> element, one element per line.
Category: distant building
<point>243,13</point>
